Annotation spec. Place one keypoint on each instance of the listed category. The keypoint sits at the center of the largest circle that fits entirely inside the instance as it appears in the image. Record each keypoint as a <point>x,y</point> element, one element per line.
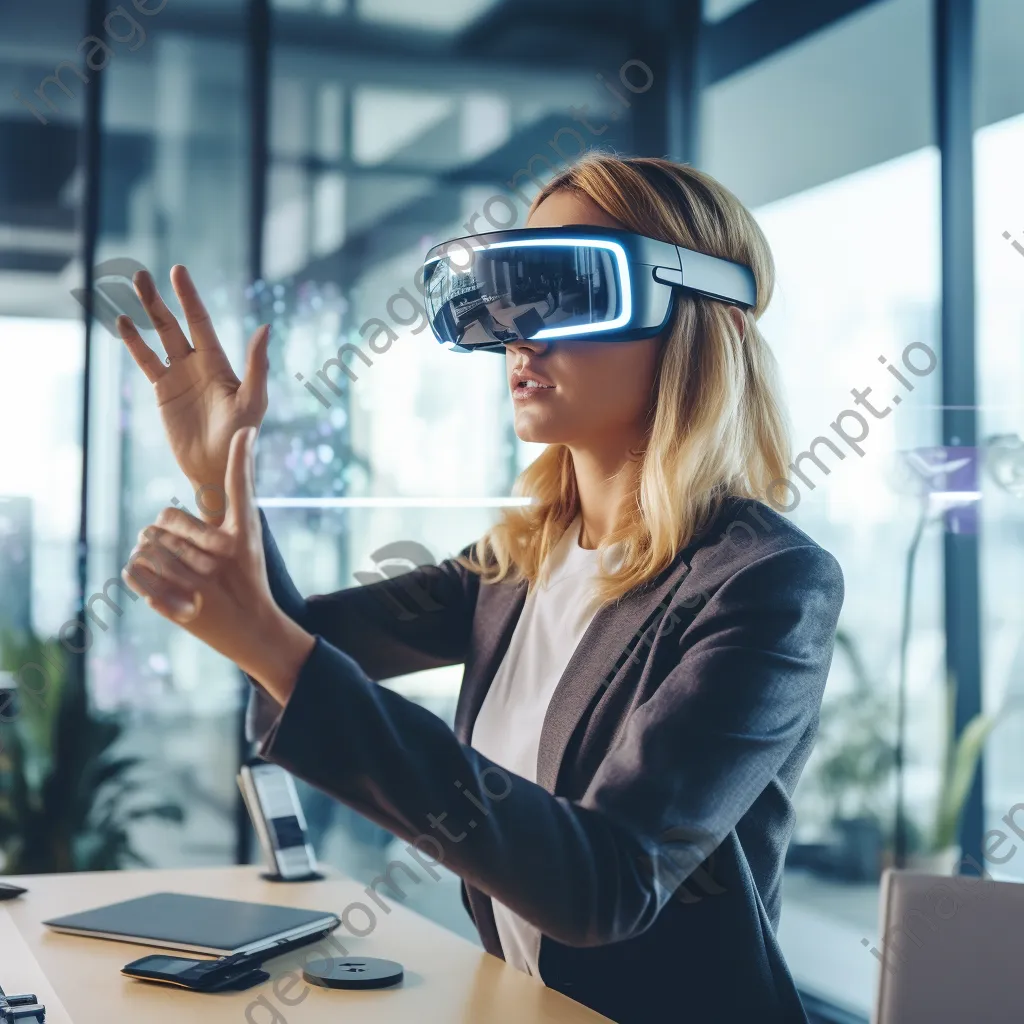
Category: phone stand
<point>353,972</point>
<point>313,877</point>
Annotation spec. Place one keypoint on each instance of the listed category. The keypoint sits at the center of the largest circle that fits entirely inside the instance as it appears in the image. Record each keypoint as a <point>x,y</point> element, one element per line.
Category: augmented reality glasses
<point>572,283</point>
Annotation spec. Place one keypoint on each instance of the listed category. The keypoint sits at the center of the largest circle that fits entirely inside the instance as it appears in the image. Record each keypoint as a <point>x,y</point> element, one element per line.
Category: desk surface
<point>447,979</point>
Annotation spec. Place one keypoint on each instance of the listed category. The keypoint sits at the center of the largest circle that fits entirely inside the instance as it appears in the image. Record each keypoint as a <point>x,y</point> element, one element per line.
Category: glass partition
<point>41,384</point>
<point>380,447</point>
<point>999,247</point>
<point>175,172</point>
<point>854,228</point>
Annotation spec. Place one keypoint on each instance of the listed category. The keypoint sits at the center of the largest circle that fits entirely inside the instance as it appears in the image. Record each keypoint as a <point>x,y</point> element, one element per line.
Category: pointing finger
<point>239,483</point>
<point>257,366</point>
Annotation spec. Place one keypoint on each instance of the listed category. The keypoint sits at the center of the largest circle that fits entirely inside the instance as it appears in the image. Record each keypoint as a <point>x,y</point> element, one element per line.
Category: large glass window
<point>391,126</point>
<point>175,174</point>
<point>854,228</point>
<point>999,233</point>
<point>380,447</point>
<point>41,378</point>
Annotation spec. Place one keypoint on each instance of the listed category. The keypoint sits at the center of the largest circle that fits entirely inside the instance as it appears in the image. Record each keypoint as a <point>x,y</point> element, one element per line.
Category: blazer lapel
<point>593,664</point>
<point>492,633</point>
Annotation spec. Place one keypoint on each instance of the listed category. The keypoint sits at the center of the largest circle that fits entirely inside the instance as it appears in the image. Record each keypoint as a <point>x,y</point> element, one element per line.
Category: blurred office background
<point>300,156</point>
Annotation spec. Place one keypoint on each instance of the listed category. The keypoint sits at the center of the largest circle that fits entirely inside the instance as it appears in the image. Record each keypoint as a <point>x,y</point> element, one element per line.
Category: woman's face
<point>599,392</point>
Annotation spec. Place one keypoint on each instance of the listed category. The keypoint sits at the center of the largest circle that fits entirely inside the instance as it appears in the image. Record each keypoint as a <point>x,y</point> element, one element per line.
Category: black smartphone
<point>236,971</point>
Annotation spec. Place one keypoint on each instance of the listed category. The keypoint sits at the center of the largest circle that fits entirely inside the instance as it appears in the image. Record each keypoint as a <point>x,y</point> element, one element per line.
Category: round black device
<point>353,972</point>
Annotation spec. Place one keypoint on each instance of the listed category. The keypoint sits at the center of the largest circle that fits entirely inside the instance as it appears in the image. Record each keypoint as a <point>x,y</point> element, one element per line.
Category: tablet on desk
<point>199,924</point>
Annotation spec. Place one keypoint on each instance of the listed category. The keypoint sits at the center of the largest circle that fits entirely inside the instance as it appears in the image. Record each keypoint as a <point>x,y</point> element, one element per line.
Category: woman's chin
<point>537,429</point>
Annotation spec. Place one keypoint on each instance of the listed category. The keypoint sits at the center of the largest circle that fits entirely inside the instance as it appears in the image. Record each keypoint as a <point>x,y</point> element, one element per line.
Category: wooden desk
<point>447,979</point>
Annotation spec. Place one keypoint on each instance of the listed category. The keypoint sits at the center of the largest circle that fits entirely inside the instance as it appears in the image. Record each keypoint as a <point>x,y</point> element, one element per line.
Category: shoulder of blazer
<point>745,531</point>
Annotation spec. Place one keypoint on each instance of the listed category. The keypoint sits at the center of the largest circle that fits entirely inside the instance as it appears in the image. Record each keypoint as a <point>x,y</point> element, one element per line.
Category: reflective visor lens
<point>546,289</point>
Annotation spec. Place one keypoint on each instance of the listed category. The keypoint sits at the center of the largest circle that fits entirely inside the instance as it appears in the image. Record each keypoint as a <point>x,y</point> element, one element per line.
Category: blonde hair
<point>716,426</point>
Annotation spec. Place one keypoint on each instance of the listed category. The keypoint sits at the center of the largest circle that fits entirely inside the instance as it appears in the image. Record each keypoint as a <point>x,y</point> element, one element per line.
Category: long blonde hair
<point>716,426</point>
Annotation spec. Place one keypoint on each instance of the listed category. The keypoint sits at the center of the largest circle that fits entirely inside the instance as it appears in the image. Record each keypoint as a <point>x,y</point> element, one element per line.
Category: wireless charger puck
<point>353,972</point>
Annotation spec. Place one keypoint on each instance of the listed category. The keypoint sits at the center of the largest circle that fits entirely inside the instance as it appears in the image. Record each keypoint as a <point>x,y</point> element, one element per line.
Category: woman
<point>645,646</point>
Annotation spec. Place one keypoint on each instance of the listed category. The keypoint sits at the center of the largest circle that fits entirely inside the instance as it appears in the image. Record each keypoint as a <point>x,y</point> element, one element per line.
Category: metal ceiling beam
<point>764,28</point>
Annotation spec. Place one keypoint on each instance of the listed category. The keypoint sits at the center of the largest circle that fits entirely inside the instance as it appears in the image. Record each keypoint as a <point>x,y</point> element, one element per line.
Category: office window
<point>854,228</point>
<point>381,447</point>
<point>999,234</point>
<point>174,186</point>
<point>41,378</point>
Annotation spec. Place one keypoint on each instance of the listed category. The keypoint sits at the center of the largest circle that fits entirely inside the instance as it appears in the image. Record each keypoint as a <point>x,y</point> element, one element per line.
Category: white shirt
<point>507,729</point>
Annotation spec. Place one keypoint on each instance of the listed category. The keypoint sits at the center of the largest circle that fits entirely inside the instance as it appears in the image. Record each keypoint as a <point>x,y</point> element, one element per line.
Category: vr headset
<point>576,282</point>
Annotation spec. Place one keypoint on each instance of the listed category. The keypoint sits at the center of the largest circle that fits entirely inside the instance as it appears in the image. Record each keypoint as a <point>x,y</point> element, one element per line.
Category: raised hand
<point>201,401</point>
<point>212,580</point>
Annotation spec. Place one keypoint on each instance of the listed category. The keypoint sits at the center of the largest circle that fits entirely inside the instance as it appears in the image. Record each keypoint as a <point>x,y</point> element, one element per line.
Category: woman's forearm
<point>280,648</point>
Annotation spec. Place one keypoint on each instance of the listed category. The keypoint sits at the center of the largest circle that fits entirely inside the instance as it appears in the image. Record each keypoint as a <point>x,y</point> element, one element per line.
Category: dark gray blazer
<point>650,850</point>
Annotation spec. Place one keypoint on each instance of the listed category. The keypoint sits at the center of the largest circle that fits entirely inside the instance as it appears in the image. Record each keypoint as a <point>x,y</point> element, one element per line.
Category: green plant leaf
<point>167,812</point>
<point>963,764</point>
<point>109,771</point>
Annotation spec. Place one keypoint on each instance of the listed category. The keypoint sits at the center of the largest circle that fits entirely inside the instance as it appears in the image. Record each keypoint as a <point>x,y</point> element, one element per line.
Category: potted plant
<point>938,850</point>
<point>66,801</point>
<point>855,765</point>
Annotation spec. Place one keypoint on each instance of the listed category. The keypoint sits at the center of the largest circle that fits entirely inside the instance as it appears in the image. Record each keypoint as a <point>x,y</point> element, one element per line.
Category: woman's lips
<point>526,392</point>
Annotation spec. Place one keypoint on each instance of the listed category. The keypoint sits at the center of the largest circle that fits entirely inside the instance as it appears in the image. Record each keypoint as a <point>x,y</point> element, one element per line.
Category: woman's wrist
<point>211,499</point>
<point>276,660</point>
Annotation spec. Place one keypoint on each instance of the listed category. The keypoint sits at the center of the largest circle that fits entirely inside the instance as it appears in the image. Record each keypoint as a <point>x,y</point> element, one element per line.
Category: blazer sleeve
<point>418,620</point>
<point>691,760</point>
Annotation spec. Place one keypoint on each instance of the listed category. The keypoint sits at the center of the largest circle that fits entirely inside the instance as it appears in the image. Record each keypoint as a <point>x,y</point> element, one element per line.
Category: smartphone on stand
<point>273,804</point>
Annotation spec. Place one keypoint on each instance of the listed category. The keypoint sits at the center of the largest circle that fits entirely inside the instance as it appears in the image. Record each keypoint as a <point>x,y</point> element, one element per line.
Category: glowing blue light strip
<point>573,331</point>
<point>393,502</point>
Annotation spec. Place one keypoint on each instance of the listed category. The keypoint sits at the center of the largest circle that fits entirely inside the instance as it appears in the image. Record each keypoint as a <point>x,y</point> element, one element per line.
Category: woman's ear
<point>738,319</point>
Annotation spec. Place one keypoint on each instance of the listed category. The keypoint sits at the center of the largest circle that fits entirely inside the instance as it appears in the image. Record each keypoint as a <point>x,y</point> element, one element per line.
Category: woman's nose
<point>527,345</point>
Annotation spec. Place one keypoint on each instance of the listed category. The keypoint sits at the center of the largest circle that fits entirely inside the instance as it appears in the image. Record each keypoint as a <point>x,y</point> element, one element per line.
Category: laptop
<point>950,950</point>
<point>200,924</point>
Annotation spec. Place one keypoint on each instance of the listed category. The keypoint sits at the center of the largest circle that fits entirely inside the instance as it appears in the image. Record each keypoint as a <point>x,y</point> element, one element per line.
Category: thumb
<point>239,482</point>
<point>257,366</point>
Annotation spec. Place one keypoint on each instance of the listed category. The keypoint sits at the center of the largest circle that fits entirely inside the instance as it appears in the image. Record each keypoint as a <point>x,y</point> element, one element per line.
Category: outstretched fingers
<point>200,326</point>
<point>257,369</point>
<point>172,336</point>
